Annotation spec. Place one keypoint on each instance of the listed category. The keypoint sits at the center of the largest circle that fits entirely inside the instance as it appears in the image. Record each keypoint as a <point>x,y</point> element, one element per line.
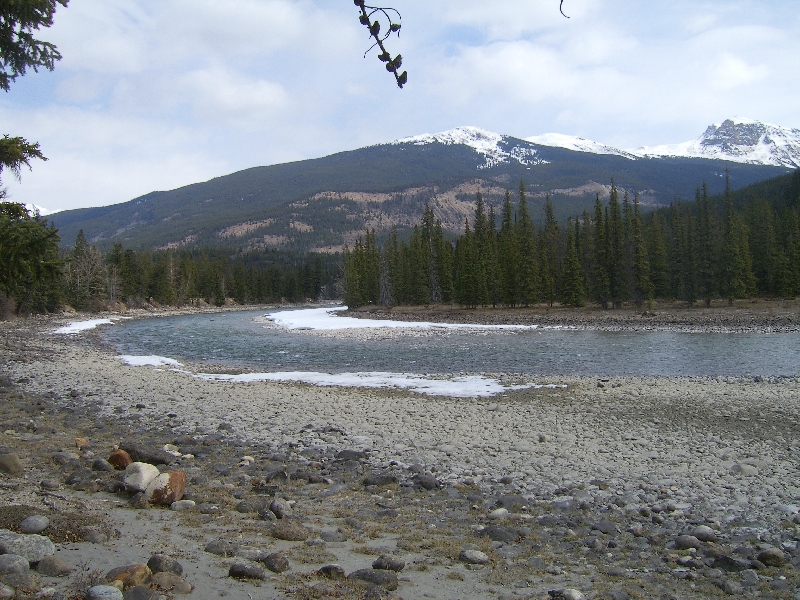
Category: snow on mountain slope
<point>739,140</point>
<point>497,149</point>
<point>578,144</point>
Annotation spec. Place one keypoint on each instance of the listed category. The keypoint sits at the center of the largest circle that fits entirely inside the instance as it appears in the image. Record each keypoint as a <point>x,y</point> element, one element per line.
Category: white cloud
<point>154,94</point>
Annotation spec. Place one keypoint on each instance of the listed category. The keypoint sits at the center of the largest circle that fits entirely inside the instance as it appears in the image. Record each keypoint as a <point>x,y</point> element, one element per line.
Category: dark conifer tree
<point>571,288</point>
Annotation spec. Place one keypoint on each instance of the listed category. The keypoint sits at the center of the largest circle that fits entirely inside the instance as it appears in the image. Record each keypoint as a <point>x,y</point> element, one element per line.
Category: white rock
<point>498,513</point>
<point>182,505</point>
<point>138,476</point>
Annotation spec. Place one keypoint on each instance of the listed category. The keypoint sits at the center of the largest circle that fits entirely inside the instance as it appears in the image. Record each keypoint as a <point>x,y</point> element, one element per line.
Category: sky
<point>157,94</point>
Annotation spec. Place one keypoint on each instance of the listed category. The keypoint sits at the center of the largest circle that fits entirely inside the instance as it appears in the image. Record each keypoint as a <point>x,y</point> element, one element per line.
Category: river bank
<point>745,316</point>
<point>589,487</point>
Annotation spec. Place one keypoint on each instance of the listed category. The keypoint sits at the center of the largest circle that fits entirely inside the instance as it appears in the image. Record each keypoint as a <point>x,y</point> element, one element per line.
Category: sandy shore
<point>665,455</point>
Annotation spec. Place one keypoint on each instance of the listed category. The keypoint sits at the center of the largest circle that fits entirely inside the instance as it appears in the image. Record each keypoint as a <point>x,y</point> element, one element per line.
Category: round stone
<point>103,592</point>
<point>473,557</point>
<point>34,524</point>
<point>13,563</point>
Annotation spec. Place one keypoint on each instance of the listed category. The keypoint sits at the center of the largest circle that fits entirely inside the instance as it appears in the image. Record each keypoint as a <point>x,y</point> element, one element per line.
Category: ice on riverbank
<point>148,361</point>
<point>325,319</point>
<point>458,387</point>
<point>78,326</point>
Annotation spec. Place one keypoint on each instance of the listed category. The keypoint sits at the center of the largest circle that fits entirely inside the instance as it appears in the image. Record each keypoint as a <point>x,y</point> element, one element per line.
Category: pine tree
<point>706,278</point>
<point>508,251</point>
<point>732,273</point>
<point>571,289</point>
<point>643,288</point>
<point>658,258</point>
<point>601,283</point>
<point>549,254</point>
<point>526,251</point>
<point>615,240</point>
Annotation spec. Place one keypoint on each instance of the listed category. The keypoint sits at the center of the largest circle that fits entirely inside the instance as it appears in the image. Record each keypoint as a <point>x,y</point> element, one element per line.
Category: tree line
<point>43,278</point>
<point>694,251</point>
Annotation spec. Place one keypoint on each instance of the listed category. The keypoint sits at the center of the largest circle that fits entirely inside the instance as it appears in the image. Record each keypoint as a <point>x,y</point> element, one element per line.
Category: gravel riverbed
<point>624,487</point>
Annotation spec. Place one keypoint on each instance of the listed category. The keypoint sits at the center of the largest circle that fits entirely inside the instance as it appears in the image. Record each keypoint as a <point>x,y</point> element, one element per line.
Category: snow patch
<point>325,319</point>
<point>151,361</point>
<point>740,140</point>
<point>78,326</point>
<point>577,144</point>
<point>458,387</point>
<point>486,143</point>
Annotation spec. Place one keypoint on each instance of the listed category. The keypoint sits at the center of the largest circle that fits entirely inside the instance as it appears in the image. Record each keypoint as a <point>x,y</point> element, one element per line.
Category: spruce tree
<point>508,251</point>
<point>643,288</point>
<point>600,283</point>
<point>526,251</point>
<point>571,288</point>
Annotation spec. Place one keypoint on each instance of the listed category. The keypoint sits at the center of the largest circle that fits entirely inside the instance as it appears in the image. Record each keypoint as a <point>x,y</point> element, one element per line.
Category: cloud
<point>153,94</point>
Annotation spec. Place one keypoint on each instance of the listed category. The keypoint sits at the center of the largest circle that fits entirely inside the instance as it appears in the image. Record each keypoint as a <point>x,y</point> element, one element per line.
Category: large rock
<point>11,464</point>
<point>389,563</point>
<point>53,566</point>
<point>139,475</point>
<point>243,570</point>
<point>130,575</point>
<point>170,582</point>
<point>13,563</point>
<point>161,563</point>
<point>332,571</point>
<point>33,547</point>
<point>473,557</point>
<point>166,488</point>
<point>141,453</point>
<point>276,562</point>
<point>34,524</point>
<point>772,557</point>
<point>120,460</point>
<point>280,508</point>
<point>103,592</point>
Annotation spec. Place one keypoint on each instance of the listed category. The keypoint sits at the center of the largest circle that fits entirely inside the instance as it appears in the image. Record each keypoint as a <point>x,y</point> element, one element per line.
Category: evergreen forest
<point>730,246</point>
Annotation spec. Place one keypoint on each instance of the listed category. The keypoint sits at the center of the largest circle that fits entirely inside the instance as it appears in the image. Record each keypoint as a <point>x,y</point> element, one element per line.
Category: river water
<point>244,339</point>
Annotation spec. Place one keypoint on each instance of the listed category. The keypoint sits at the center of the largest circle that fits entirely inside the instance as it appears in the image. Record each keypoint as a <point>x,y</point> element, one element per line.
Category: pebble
<point>34,524</point>
<point>566,594</point>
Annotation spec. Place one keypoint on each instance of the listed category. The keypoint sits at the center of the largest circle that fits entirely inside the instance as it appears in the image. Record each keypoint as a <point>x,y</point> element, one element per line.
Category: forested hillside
<point>733,245</point>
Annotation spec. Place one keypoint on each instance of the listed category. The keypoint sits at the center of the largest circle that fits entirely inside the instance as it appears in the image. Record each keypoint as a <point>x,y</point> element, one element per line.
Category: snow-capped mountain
<point>578,144</point>
<point>738,140</point>
<point>497,149</point>
<point>35,208</point>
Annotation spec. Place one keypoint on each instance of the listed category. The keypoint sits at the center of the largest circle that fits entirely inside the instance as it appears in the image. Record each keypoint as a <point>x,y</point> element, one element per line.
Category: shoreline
<point>746,316</point>
<point>587,487</point>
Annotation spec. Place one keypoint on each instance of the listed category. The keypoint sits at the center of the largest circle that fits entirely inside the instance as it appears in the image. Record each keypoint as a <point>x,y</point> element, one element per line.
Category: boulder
<point>332,571</point>
<point>34,524</point>
<point>385,579</point>
<point>139,475</point>
<point>170,582</point>
<point>141,453</point>
<point>10,464</point>
<point>243,570</point>
<point>166,488</point>
<point>53,566</point>
<point>130,575</point>
<point>473,557</point>
<point>161,563</point>
<point>120,460</point>
<point>276,562</point>
<point>388,563</point>
<point>772,557</point>
<point>13,563</point>
<point>103,592</point>
<point>32,546</point>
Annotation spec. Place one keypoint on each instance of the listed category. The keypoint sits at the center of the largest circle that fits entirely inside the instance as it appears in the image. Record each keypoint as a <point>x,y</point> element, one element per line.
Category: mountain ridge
<point>320,204</point>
